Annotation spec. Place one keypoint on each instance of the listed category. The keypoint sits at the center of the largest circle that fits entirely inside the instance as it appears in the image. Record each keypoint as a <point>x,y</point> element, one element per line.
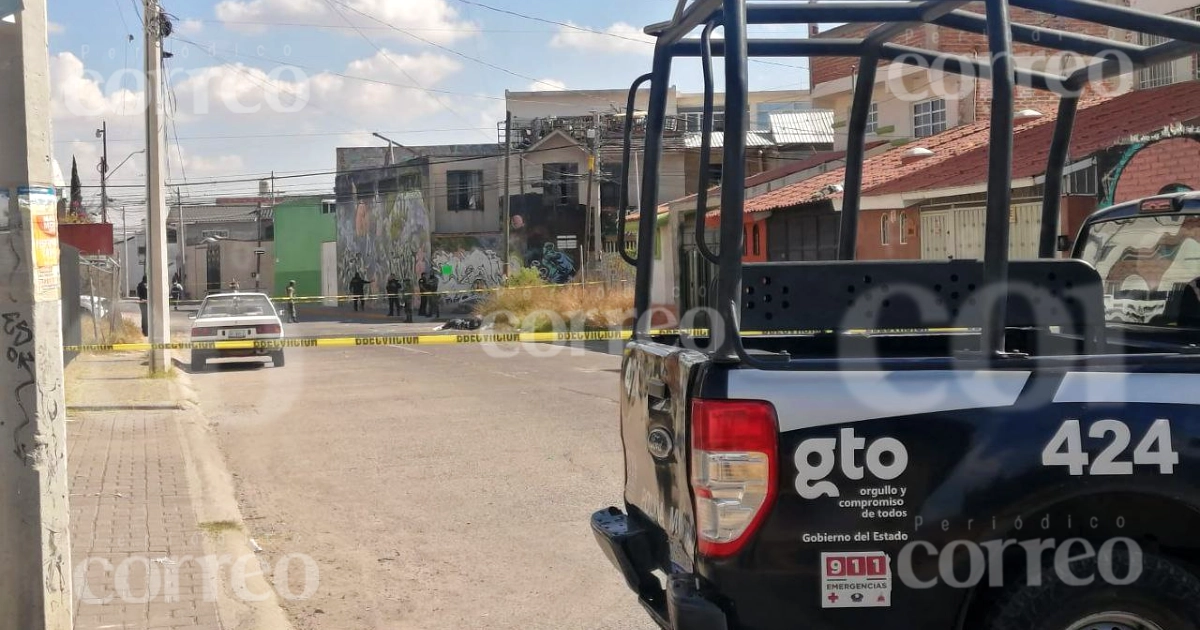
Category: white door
<point>329,277</point>
<point>1025,227</point>
<point>936,240</point>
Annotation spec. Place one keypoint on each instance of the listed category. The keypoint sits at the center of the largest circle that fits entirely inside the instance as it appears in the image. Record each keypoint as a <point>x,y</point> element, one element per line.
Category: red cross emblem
<point>832,598</point>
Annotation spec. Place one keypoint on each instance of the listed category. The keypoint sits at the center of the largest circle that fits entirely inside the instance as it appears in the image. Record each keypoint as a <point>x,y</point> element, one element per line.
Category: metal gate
<point>958,233</point>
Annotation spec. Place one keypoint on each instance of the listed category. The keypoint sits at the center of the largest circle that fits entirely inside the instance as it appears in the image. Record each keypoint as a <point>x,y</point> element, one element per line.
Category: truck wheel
<point>277,359</point>
<point>198,362</point>
<point>1164,597</point>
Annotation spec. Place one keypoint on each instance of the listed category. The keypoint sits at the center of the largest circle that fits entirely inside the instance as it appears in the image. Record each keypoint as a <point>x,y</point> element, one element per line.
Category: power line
<point>352,132</point>
<point>593,31</point>
<point>435,45</point>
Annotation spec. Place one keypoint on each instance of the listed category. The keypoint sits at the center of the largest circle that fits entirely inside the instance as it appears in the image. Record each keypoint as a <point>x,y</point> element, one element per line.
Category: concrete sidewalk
<point>148,524</point>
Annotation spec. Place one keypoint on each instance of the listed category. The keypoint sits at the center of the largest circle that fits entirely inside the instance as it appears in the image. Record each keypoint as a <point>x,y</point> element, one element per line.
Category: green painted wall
<point>300,229</point>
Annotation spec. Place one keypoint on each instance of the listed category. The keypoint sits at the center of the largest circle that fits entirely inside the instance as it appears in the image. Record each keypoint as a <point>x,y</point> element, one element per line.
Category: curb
<point>122,407</point>
<point>214,500</point>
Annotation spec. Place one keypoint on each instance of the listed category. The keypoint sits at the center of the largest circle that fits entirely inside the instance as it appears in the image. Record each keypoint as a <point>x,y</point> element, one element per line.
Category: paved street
<point>436,487</point>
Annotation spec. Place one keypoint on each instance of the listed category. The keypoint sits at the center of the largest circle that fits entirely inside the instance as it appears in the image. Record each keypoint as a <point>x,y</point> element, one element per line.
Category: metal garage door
<point>958,233</point>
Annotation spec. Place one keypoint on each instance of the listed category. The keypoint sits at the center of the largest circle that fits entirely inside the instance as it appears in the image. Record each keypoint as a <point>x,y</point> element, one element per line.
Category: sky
<point>262,86</point>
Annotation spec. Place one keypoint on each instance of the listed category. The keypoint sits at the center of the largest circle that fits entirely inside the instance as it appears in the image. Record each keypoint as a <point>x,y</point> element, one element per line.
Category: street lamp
<point>392,144</point>
<point>112,172</point>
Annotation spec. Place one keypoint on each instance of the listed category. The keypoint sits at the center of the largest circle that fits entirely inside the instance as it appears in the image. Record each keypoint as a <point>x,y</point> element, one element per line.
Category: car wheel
<point>1164,596</point>
<point>277,359</point>
<point>199,363</point>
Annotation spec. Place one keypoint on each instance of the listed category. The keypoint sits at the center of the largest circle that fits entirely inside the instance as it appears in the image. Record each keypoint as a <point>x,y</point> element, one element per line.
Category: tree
<point>76,191</point>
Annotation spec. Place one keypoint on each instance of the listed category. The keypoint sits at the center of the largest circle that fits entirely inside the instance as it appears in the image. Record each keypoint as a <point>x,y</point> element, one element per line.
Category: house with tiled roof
<point>926,199</point>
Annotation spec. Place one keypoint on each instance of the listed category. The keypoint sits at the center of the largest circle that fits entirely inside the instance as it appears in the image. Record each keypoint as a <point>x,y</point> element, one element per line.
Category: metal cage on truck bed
<point>992,295</point>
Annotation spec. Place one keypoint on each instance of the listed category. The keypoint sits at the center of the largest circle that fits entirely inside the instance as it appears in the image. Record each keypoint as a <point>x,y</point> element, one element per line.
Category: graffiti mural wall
<point>383,235</point>
<point>467,264</point>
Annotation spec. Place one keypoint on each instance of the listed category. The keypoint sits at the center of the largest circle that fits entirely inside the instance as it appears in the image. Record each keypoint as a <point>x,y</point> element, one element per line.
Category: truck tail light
<point>204,332</point>
<point>267,329</point>
<point>734,471</point>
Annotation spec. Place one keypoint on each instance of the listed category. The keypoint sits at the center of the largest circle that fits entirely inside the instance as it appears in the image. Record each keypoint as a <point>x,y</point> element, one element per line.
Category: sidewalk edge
<point>214,500</point>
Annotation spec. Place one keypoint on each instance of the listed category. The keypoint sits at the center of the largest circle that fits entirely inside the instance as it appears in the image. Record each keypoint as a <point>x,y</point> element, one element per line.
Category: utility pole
<point>156,241</point>
<point>591,228</point>
<point>258,253</point>
<point>594,195</point>
<point>103,133</point>
<point>35,541</point>
<point>507,217</point>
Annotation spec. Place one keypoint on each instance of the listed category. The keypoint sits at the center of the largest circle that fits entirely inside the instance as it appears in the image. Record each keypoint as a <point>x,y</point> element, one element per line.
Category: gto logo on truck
<point>886,459</point>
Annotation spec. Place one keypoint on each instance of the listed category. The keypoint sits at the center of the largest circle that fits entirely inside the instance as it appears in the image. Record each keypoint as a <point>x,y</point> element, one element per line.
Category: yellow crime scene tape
<point>469,338</point>
<point>415,294</point>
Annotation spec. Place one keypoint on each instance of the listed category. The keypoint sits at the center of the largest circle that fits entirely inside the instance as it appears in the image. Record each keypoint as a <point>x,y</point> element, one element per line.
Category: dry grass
<point>127,331</point>
<point>544,308</point>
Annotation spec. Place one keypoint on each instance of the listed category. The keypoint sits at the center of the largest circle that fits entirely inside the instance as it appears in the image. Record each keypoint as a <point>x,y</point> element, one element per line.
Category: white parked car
<point>94,305</point>
<point>236,317</point>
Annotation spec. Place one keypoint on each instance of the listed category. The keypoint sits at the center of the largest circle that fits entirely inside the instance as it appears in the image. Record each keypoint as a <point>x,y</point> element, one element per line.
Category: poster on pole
<point>41,207</point>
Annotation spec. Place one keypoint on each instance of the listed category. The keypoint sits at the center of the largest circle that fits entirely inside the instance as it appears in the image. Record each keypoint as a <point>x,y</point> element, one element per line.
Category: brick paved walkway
<point>137,548</point>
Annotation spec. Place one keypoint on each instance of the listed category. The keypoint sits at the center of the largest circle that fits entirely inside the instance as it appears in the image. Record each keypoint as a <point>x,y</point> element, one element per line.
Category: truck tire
<point>199,362</point>
<point>1164,597</point>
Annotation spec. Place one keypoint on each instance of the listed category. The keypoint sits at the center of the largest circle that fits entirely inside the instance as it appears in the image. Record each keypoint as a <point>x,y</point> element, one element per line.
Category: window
<point>1081,182</point>
<point>903,228</point>
<point>929,117</point>
<point>757,240</point>
<point>464,190</point>
<point>562,184</point>
<point>692,119</point>
<point>1151,268</point>
<point>873,118</point>
<point>1158,74</point>
<point>714,174</point>
<point>328,207</point>
<point>884,237</point>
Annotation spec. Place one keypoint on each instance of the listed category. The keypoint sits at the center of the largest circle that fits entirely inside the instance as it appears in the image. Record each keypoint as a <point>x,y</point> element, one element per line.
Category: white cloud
<point>435,20</point>
<point>54,28</point>
<point>621,37</point>
<point>190,27</point>
<point>200,166</point>
<point>79,93</point>
<point>547,85</point>
<point>289,94</point>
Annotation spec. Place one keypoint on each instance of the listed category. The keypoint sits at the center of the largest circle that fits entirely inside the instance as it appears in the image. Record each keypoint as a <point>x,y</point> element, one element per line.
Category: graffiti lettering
<point>553,265</point>
<point>18,337</point>
<point>466,265</point>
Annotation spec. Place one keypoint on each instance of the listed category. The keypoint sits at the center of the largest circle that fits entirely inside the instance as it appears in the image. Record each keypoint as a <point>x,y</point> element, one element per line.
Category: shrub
<point>539,307</point>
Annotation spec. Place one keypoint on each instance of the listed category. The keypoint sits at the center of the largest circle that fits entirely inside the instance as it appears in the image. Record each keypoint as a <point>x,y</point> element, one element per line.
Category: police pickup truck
<point>925,445</point>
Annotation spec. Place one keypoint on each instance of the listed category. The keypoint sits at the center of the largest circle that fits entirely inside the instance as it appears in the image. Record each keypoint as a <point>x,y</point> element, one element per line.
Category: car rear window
<point>1151,268</point>
<point>236,306</point>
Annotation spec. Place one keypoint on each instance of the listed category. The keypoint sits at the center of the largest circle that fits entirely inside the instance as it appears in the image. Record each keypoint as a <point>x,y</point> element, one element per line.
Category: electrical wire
<point>592,31</point>
<point>437,45</point>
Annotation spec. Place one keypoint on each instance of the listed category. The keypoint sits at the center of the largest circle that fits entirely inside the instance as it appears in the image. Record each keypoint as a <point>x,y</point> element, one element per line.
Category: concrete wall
<point>485,219</point>
<point>383,235</point>
<point>895,100</point>
<point>968,100</point>
<point>300,229</point>
<point>1176,160</point>
<point>1162,6</point>
<point>466,263</point>
<point>135,267</point>
<point>528,105</point>
<point>237,261</point>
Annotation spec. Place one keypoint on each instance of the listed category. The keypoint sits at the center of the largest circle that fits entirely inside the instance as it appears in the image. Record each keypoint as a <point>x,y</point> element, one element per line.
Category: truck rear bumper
<point>631,546</point>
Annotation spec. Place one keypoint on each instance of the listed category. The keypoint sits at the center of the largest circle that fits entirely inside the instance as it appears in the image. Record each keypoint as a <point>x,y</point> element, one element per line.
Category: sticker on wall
<point>40,205</point>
